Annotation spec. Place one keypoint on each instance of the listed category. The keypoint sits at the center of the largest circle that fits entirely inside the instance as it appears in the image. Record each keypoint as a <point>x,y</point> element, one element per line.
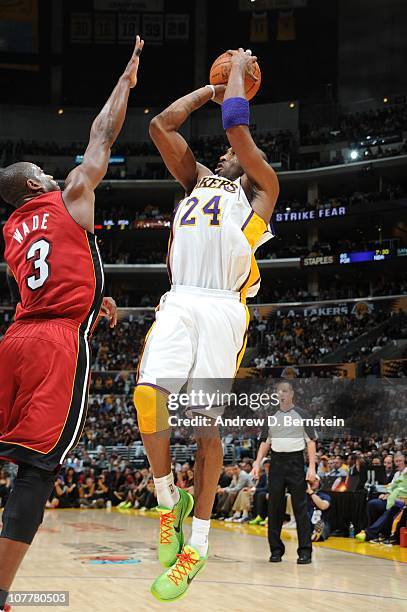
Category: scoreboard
<point>111,27</point>
<point>353,257</point>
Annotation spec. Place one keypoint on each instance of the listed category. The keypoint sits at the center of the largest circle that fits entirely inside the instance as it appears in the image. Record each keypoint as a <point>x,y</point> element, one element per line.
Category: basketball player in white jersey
<point>201,325</point>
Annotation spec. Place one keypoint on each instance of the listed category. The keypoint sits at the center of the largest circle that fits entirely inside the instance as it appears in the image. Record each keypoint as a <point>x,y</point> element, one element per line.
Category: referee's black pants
<point>287,471</point>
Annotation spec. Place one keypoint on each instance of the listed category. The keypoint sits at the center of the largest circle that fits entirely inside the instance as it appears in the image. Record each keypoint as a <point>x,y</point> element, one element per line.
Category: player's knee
<point>210,443</point>
<point>152,411</point>
<point>24,510</point>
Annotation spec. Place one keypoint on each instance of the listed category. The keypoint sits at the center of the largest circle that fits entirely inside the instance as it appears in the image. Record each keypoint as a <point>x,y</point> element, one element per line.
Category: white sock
<point>167,492</point>
<point>200,535</point>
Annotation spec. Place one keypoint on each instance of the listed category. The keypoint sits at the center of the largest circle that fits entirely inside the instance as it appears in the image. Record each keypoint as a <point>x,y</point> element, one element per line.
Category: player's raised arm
<point>174,150</point>
<point>235,117</point>
<point>83,180</point>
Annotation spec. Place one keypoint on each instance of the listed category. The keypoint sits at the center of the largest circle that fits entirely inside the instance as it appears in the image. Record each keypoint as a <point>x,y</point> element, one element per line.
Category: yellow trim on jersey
<point>251,280</point>
<point>253,228</point>
<point>244,344</point>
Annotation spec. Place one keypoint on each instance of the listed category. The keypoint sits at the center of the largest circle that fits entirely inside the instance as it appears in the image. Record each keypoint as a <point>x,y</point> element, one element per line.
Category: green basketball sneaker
<point>173,584</point>
<point>171,539</point>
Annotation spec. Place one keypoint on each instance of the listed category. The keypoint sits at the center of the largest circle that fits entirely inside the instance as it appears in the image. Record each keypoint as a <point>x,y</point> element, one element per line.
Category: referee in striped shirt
<point>287,439</point>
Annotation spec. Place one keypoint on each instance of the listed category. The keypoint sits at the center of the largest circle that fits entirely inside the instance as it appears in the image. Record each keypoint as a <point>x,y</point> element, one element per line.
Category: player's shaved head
<point>13,181</point>
<point>23,180</point>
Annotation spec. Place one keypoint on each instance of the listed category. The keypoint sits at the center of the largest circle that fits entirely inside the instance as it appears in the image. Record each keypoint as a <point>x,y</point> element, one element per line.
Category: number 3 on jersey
<point>211,208</point>
<point>38,252</point>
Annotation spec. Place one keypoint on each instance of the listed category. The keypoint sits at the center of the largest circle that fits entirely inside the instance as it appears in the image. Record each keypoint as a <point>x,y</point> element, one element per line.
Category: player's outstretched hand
<point>244,60</point>
<point>132,66</point>
<point>109,310</point>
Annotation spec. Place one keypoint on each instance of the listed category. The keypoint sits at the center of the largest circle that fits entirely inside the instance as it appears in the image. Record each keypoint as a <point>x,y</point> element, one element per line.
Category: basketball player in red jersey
<point>53,256</point>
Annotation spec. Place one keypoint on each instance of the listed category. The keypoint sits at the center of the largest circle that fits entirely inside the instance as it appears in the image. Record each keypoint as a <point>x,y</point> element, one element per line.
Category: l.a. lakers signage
<point>330,308</point>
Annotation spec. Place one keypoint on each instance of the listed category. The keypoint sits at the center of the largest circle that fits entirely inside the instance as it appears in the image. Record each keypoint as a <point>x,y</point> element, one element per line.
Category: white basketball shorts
<point>198,334</point>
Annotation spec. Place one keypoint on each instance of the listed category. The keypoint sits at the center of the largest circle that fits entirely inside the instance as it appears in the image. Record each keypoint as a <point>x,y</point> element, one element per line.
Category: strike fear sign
<point>310,215</point>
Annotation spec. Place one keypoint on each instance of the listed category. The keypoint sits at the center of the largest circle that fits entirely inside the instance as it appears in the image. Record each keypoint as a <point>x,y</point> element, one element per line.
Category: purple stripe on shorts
<point>153,386</point>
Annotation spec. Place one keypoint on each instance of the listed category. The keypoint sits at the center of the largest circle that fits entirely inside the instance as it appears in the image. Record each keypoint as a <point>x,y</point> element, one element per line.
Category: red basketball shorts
<point>44,381</point>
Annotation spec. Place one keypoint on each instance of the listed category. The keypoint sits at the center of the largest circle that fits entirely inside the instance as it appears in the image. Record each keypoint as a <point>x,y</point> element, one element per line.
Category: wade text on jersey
<point>26,227</point>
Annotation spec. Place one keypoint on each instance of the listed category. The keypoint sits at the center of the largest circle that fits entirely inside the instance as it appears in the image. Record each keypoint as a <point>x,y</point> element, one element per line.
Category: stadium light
<point>354,154</point>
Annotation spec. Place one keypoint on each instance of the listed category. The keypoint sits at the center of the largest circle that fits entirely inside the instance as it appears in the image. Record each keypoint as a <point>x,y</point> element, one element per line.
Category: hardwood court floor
<point>107,561</point>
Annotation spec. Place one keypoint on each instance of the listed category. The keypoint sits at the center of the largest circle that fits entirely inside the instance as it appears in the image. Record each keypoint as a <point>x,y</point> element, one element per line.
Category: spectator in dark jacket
<point>260,498</point>
<point>318,504</point>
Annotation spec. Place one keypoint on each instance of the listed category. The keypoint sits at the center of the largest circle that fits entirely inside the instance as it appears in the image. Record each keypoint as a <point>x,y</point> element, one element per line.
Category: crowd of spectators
<point>113,252</point>
<point>281,146</point>
<point>274,144</point>
<point>395,327</point>
<point>333,288</point>
<point>360,152</point>
<point>129,218</point>
<point>356,126</point>
<point>281,339</point>
<point>152,216</point>
<point>206,149</point>
<point>118,348</point>
<point>155,251</point>
<point>21,148</point>
<point>300,340</point>
<point>279,291</point>
<point>390,192</point>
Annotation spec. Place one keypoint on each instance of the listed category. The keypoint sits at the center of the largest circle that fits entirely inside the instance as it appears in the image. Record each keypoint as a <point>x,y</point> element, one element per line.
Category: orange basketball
<point>220,70</point>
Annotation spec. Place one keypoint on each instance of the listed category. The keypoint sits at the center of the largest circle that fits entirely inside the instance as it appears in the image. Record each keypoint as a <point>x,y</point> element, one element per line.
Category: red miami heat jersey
<point>55,262</point>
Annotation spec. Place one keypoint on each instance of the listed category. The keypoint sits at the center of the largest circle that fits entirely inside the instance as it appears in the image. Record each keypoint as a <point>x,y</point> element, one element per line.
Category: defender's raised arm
<point>83,180</point>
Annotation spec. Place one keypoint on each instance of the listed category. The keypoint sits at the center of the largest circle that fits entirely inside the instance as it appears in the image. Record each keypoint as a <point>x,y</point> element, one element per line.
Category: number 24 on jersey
<point>211,209</point>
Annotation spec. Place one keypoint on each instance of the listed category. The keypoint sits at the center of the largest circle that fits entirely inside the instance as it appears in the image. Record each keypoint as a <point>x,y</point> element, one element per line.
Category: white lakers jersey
<point>214,236</point>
